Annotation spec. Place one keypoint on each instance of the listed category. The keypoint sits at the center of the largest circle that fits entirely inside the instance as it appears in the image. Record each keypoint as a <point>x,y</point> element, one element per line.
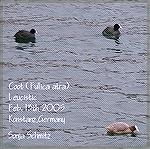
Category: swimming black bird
<point>23,36</point>
<point>112,32</point>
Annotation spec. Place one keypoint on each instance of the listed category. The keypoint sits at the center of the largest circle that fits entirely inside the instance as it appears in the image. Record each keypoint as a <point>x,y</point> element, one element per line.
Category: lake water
<point>107,79</point>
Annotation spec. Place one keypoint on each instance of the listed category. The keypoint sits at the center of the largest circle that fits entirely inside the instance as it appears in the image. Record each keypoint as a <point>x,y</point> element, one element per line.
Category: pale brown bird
<point>121,128</point>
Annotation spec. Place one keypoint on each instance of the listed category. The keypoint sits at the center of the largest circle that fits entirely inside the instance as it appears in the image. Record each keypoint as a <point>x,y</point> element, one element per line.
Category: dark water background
<point>108,80</point>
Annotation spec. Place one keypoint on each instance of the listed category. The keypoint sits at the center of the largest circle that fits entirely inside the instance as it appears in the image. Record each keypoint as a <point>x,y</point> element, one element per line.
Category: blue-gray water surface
<point>107,79</point>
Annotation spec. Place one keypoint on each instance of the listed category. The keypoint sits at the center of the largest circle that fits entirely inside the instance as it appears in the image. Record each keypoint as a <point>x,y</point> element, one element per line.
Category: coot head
<point>116,27</point>
<point>133,128</point>
<point>33,31</point>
